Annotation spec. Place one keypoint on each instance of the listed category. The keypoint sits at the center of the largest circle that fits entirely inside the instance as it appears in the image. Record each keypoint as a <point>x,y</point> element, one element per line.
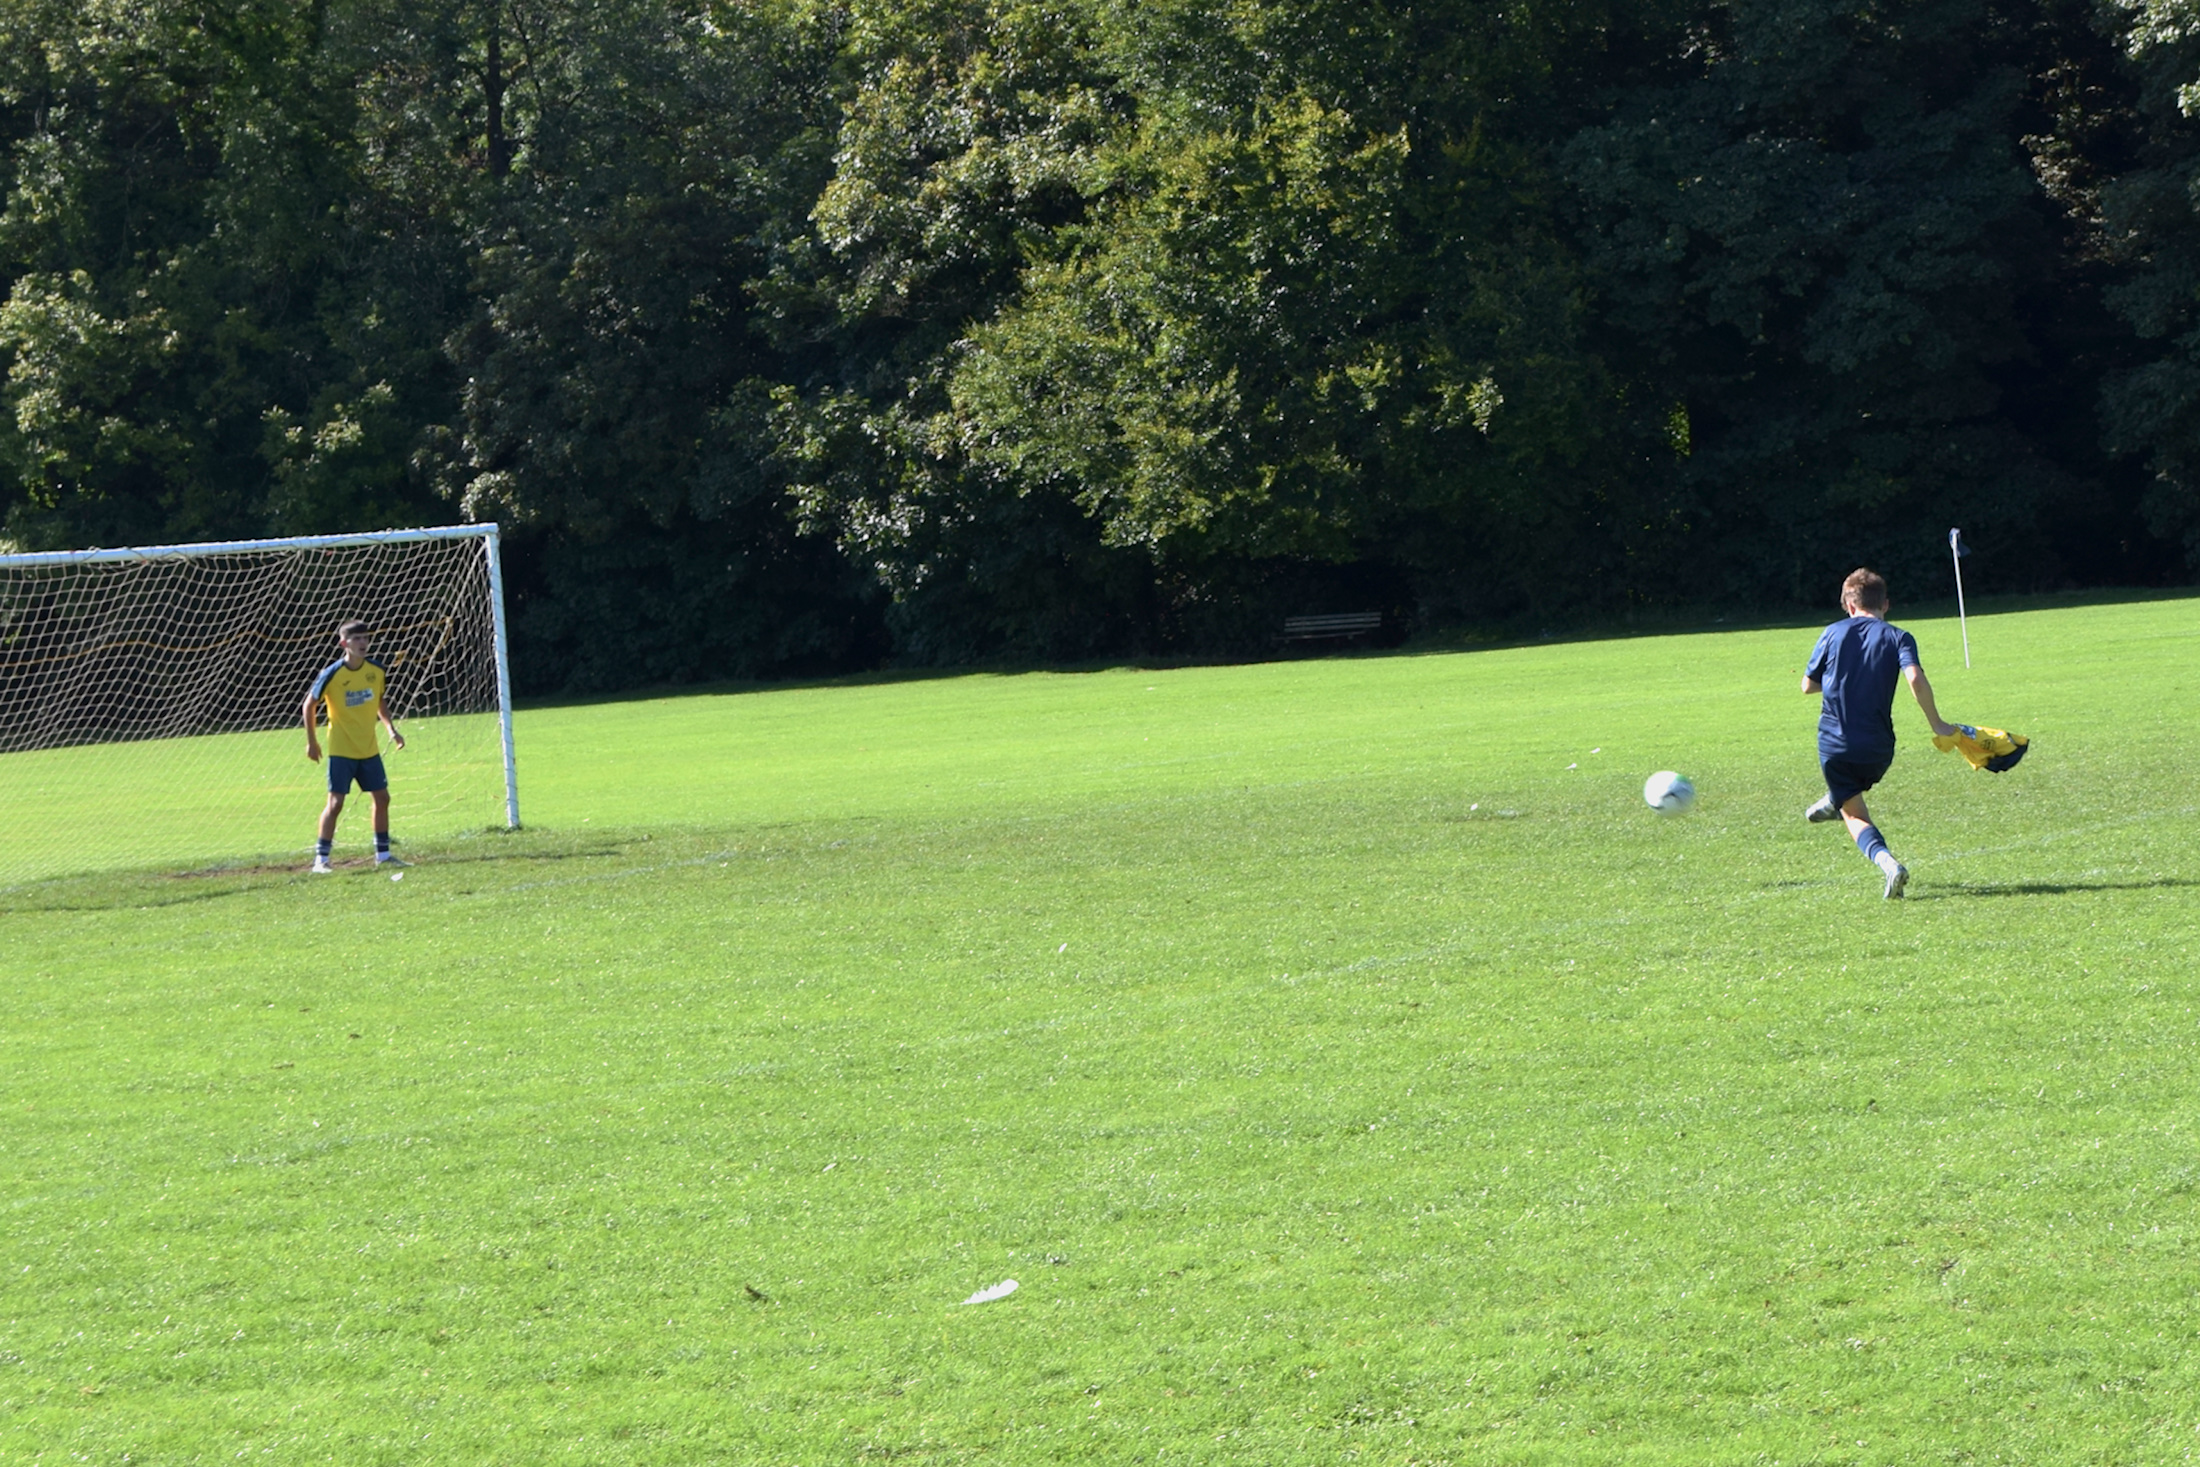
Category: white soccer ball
<point>1668,793</point>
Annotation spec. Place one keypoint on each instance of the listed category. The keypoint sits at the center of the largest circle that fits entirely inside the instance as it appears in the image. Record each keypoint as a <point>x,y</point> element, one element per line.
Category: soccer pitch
<point>1340,1057</point>
<point>230,799</point>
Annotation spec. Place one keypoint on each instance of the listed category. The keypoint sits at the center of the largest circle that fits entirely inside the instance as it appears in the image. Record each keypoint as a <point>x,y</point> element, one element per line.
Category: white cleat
<point>1897,879</point>
<point>387,863</point>
<point>323,868</point>
<point>1824,810</point>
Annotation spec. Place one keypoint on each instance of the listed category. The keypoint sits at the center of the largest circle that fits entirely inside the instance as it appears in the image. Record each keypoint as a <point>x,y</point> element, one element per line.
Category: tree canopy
<point>788,336</point>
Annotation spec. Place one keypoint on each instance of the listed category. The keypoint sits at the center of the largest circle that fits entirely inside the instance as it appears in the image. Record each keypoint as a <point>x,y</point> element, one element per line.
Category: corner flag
<point>1956,551</point>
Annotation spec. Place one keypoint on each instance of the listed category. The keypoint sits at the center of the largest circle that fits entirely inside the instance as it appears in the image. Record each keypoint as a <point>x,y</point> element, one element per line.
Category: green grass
<point>228,799</point>
<point>1345,1063</point>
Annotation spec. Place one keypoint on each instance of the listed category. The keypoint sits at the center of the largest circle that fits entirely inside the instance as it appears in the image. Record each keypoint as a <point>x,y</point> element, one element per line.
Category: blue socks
<point>322,848</point>
<point>1875,849</point>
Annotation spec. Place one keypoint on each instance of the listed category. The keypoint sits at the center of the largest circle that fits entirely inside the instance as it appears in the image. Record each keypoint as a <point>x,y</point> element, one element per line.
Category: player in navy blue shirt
<point>1855,667</point>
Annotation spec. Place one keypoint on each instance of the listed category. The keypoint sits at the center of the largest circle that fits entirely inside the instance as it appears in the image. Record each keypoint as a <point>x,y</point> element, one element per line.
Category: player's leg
<point>376,783</point>
<point>382,856</point>
<point>1846,781</point>
<point>325,837</point>
<point>1838,788</point>
<point>341,773</point>
<point>1859,818</point>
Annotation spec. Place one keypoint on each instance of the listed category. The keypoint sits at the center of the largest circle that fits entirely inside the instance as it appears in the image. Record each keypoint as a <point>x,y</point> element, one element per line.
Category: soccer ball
<point>1668,793</point>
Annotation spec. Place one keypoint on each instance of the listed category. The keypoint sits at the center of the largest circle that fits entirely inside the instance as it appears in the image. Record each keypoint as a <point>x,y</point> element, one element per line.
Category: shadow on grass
<point>495,859</point>
<point>1944,892</point>
<point>108,891</point>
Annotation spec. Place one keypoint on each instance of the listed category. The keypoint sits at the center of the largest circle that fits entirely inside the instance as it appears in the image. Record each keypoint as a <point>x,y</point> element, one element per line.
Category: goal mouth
<point>151,698</point>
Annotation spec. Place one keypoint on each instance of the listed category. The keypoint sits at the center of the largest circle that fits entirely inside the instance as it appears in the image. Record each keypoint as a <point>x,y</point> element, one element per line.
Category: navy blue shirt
<point>1858,662</point>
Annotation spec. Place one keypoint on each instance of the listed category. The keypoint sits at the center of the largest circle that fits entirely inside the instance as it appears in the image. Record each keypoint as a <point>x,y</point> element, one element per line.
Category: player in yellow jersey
<point>351,688</point>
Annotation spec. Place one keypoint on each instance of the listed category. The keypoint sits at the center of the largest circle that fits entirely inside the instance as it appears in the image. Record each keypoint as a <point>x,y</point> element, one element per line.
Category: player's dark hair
<point>1866,588</point>
<point>352,629</point>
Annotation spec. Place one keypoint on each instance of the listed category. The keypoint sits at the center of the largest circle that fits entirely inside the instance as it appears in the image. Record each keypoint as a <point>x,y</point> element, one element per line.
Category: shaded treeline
<point>790,336</point>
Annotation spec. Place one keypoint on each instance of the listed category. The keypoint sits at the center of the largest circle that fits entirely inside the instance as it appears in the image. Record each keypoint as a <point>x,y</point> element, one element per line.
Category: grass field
<point>228,799</point>
<point>1344,1062</point>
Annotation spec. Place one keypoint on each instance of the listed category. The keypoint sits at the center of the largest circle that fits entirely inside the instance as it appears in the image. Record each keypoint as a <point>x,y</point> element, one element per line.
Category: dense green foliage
<point>796,335</point>
<point>1343,1060</point>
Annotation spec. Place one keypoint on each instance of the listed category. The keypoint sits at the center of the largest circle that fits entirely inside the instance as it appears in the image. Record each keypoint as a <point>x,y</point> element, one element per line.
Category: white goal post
<point>149,697</point>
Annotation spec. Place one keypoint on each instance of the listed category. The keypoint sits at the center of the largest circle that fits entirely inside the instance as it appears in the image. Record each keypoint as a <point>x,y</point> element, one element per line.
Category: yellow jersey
<point>1995,750</point>
<point>352,697</point>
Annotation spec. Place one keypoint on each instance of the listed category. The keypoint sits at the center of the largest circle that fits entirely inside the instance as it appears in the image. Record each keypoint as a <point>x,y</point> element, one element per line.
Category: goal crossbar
<point>253,547</point>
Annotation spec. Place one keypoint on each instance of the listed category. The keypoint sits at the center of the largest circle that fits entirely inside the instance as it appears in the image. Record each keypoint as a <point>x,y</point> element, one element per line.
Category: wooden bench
<point>1336,626</point>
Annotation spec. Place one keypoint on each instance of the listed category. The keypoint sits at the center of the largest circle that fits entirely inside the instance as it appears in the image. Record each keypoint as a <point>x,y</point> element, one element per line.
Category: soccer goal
<point>149,698</point>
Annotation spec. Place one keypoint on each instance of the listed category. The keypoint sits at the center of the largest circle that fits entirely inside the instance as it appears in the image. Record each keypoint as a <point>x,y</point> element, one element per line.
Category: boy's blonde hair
<point>1864,589</point>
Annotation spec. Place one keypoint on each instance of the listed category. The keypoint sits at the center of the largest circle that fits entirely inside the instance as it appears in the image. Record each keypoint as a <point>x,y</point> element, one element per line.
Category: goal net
<point>149,698</point>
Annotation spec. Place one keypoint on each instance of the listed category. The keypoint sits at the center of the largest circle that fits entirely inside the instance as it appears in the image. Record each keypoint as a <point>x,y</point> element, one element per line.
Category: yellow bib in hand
<point>1991,749</point>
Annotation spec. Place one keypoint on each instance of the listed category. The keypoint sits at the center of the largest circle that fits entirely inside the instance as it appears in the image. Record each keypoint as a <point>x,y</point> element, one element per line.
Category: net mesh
<point>149,707</point>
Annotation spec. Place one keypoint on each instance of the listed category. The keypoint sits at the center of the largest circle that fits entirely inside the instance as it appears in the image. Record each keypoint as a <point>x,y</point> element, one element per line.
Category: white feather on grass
<point>1000,1290</point>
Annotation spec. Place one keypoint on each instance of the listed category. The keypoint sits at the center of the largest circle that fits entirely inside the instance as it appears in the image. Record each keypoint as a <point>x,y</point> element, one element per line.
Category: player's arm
<point>1815,669</point>
<point>1921,688</point>
<point>382,710</point>
<point>313,737</point>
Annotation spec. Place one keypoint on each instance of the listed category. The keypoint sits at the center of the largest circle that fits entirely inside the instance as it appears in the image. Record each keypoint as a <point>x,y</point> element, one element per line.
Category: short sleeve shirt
<point>353,697</point>
<point>1858,662</point>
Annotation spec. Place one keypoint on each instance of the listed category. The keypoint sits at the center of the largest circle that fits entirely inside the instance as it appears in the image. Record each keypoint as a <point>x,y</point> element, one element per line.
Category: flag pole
<point>1955,557</point>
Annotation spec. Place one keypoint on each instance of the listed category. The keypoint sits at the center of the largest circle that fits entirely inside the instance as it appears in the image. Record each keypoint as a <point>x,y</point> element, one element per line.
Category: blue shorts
<point>1848,775</point>
<point>369,773</point>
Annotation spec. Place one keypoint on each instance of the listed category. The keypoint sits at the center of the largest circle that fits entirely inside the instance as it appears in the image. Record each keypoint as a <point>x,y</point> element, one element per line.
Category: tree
<point>205,335</point>
<point>1813,249</point>
<point>2149,224</point>
<point>968,140</point>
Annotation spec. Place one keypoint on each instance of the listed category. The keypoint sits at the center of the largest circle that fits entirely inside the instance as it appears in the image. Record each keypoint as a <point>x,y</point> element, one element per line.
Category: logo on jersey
<point>354,697</point>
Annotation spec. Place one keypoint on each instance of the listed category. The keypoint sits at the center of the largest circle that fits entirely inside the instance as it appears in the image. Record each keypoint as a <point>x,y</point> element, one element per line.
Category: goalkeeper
<point>1854,666</point>
<point>352,689</point>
